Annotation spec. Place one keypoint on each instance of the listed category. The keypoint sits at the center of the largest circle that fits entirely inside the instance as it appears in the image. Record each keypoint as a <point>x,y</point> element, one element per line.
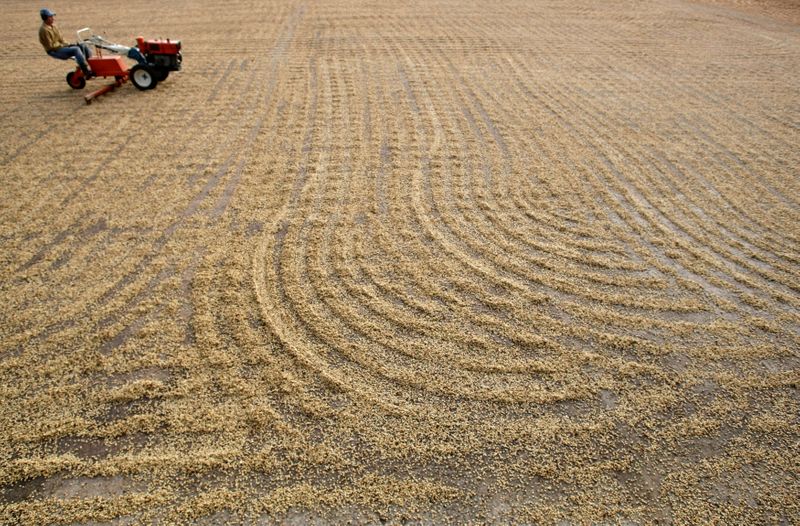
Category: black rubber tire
<point>161,74</point>
<point>143,77</point>
<point>74,83</point>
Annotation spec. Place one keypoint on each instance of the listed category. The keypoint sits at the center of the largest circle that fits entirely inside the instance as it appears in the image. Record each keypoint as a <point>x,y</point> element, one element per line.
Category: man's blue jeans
<point>79,51</point>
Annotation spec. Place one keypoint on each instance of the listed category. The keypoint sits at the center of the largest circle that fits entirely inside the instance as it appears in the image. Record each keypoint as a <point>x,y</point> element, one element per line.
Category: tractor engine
<point>164,55</point>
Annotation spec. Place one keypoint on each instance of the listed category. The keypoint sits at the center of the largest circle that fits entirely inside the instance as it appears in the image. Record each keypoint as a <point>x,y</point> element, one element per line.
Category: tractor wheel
<point>76,80</point>
<point>161,74</point>
<point>143,77</point>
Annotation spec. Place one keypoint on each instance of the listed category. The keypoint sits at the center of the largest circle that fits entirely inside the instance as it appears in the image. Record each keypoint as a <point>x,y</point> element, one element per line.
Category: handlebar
<point>84,30</point>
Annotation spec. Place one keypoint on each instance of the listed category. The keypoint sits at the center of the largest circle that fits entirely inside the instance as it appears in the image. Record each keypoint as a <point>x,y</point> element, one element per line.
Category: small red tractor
<point>154,61</point>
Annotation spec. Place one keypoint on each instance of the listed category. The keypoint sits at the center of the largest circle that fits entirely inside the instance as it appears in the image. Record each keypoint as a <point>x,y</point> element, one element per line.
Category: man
<point>56,47</point>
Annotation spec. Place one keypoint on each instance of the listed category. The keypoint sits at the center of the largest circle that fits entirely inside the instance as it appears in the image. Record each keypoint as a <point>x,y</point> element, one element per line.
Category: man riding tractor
<point>56,47</point>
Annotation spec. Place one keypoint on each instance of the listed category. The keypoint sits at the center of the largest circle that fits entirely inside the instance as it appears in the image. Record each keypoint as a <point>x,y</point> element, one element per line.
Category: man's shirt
<point>51,38</point>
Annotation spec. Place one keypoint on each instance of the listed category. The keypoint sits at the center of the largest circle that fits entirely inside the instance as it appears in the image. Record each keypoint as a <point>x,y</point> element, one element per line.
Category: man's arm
<point>59,39</point>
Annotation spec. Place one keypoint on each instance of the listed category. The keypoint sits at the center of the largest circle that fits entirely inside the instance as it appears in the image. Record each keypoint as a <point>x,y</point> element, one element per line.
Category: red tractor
<point>154,61</point>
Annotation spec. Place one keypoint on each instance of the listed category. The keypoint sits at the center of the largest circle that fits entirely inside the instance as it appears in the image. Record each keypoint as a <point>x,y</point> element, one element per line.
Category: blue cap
<point>45,13</point>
